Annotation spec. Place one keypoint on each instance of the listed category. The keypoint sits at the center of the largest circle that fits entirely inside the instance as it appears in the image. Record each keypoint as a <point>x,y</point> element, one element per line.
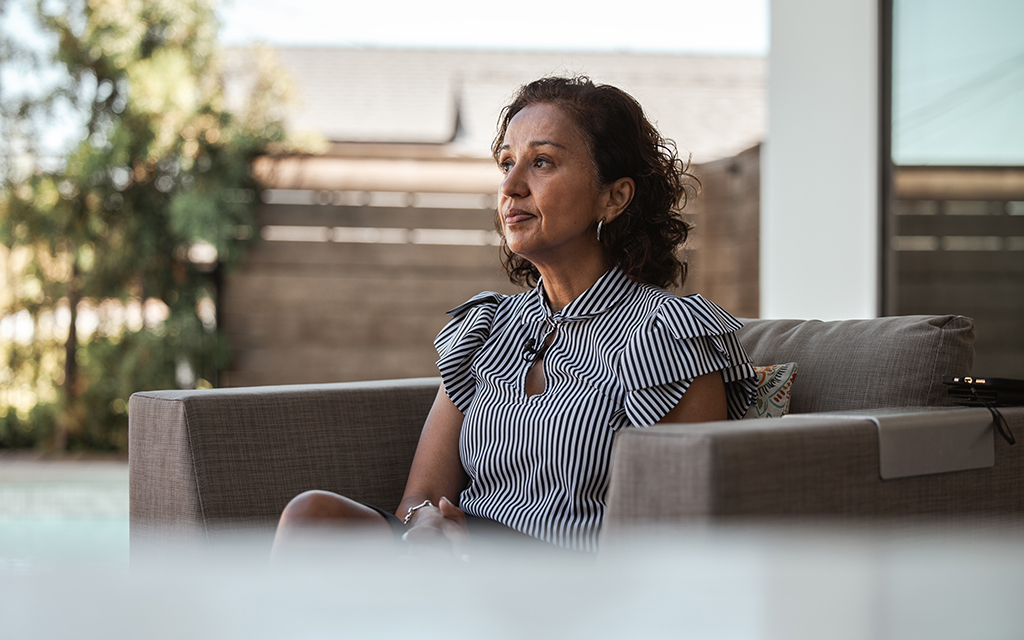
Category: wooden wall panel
<point>388,217</point>
<point>303,312</point>
<point>727,233</point>
<point>946,225</point>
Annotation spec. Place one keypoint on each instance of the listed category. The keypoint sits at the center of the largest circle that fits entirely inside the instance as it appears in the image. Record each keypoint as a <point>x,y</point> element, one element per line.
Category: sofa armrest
<point>814,466</point>
<point>199,459</point>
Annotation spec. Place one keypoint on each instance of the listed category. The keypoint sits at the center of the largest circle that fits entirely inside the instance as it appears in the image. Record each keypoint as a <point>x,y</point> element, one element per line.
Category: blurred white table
<point>787,583</point>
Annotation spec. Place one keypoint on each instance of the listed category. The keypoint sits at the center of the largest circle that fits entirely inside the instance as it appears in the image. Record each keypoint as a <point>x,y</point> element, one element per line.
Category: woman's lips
<point>515,216</point>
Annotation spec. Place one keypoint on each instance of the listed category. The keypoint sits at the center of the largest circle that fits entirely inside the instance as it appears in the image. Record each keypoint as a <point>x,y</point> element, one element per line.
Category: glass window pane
<point>958,82</point>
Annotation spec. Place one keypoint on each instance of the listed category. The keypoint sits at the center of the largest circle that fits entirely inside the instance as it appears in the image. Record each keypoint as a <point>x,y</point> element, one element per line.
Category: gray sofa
<point>867,402</point>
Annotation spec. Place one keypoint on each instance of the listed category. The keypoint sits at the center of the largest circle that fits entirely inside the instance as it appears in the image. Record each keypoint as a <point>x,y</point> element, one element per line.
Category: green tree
<point>113,252</point>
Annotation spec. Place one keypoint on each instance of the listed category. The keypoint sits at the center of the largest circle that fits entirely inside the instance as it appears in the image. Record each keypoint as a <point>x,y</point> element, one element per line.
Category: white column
<point>819,197</point>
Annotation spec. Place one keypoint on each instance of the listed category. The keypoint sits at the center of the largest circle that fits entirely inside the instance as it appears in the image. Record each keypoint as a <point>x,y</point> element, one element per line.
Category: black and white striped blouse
<point>623,355</point>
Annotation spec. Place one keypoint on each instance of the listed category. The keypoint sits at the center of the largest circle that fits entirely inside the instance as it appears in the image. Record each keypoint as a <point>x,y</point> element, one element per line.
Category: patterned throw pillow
<point>774,384</point>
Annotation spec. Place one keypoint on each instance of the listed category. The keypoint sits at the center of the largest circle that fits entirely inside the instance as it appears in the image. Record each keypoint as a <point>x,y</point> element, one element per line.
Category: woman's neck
<point>562,286</point>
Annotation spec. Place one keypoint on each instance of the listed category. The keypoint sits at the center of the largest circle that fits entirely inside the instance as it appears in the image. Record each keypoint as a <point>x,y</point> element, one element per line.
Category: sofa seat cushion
<point>865,364</point>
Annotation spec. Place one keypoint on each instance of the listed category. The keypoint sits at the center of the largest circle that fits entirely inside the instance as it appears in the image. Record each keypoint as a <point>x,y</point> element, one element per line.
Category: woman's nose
<point>514,185</point>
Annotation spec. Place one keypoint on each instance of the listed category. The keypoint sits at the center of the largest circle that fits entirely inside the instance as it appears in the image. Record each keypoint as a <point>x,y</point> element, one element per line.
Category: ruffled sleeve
<point>459,340</point>
<point>684,338</point>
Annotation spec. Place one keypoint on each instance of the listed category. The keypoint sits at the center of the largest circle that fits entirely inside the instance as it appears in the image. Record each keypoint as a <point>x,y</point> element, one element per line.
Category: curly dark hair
<point>642,240</point>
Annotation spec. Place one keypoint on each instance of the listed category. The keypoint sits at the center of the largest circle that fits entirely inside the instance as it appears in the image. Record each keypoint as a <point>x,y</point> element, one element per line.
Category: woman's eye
<point>505,166</point>
<point>541,162</point>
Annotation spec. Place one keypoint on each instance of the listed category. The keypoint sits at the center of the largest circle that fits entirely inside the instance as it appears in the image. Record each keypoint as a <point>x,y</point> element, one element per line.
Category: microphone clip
<point>532,353</point>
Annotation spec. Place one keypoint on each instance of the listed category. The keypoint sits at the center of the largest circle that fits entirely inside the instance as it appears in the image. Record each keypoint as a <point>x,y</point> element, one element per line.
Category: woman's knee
<point>317,505</point>
<point>312,514</point>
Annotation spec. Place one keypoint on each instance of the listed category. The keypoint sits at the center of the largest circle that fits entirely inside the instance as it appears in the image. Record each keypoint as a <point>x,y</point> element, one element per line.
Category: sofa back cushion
<point>865,364</point>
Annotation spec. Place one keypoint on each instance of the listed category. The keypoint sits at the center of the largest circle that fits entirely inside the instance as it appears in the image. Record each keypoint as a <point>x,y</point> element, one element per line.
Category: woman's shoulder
<point>471,324</point>
<point>680,339</point>
<point>484,298</point>
<point>684,316</point>
<point>479,315</point>
<point>491,299</point>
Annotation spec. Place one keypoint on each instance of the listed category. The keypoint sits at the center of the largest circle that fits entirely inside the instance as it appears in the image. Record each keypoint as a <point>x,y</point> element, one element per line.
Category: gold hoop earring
<point>599,223</point>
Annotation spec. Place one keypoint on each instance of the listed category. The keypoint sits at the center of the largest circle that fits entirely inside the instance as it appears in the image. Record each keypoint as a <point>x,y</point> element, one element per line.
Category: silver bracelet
<point>408,514</point>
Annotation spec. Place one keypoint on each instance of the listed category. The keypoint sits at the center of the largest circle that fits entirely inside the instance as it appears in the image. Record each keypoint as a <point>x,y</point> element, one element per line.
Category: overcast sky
<point>678,26</point>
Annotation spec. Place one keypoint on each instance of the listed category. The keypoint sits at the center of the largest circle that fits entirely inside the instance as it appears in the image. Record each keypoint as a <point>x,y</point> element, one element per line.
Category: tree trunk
<point>64,422</point>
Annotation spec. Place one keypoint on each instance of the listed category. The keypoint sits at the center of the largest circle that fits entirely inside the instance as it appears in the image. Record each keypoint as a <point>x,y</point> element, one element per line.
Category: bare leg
<point>319,511</point>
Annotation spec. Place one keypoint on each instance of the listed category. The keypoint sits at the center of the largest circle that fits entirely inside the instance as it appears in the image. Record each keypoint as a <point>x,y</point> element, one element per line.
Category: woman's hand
<point>441,527</point>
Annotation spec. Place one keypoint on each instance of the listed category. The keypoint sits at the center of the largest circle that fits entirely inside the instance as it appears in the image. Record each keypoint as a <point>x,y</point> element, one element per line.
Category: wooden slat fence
<point>312,305</point>
<point>966,257</point>
<point>354,286</point>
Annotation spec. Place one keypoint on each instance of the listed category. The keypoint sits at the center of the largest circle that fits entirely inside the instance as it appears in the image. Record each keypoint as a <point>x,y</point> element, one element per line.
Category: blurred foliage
<point>111,252</point>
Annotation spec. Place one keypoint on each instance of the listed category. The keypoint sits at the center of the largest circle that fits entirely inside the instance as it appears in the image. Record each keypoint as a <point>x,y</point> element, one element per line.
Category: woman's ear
<point>617,197</point>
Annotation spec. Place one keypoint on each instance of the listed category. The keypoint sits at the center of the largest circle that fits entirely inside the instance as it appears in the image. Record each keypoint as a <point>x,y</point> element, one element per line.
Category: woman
<point>535,385</point>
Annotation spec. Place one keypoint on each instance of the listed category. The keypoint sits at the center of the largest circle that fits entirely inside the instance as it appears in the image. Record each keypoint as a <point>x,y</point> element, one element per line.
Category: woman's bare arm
<point>437,473</point>
<point>704,401</point>
<point>436,468</point>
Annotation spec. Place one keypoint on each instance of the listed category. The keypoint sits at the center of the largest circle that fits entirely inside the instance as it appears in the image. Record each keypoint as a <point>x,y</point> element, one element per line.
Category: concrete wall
<point>819,206</point>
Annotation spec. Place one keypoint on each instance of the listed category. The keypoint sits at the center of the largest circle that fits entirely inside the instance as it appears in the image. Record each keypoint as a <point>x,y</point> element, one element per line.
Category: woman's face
<point>549,201</point>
